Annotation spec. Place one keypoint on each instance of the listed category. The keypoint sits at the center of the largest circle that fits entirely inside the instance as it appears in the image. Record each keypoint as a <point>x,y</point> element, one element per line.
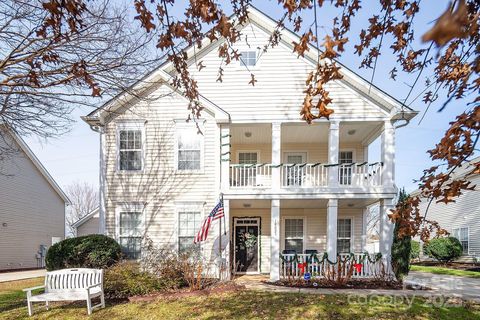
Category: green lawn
<point>447,271</point>
<point>238,305</point>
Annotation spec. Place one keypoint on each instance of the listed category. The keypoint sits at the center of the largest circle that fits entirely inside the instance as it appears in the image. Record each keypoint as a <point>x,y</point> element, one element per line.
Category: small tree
<point>415,252</point>
<point>84,199</point>
<point>402,245</point>
<point>444,249</point>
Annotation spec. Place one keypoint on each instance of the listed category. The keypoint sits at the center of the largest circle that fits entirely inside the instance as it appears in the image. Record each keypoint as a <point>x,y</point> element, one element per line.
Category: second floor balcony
<point>289,158</point>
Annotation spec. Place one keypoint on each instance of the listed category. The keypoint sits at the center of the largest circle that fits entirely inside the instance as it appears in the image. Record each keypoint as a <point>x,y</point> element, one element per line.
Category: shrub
<point>415,252</point>
<point>401,245</point>
<point>443,249</point>
<point>93,251</point>
<point>126,279</point>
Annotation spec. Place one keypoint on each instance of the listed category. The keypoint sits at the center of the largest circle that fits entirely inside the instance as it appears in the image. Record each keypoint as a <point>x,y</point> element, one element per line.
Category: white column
<point>386,227</point>
<point>276,154</point>
<point>333,151</point>
<point>275,241</point>
<point>226,239</point>
<point>388,154</point>
<point>225,158</point>
<point>364,229</point>
<point>103,185</point>
<point>332,213</point>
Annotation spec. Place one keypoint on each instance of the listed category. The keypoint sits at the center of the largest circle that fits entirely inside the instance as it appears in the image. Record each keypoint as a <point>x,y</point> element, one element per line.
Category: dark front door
<point>246,248</point>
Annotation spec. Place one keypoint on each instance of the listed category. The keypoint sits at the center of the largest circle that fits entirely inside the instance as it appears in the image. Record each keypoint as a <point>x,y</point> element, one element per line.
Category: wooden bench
<point>70,285</point>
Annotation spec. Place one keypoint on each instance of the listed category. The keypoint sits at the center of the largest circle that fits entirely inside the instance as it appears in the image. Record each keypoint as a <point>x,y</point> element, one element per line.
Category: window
<point>295,174</point>
<point>462,235</point>
<point>247,174</point>
<point>247,157</point>
<point>344,235</point>
<point>190,145</point>
<point>188,226</point>
<point>248,58</point>
<point>345,172</point>
<point>130,146</point>
<point>294,234</point>
<point>130,232</point>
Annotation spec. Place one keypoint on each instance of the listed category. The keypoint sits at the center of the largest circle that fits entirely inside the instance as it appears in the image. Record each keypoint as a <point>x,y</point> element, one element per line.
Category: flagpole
<point>220,243</point>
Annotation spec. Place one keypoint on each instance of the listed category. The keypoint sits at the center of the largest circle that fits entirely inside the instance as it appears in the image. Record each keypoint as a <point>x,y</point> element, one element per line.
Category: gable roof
<point>162,75</point>
<point>26,149</point>
<point>85,218</point>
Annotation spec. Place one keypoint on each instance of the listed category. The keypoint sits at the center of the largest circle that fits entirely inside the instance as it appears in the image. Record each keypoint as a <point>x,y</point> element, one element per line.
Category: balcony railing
<point>294,266</point>
<point>306,175</point>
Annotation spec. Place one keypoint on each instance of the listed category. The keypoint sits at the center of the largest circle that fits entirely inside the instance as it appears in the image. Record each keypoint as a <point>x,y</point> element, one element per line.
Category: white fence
<point>250,175</point>
<point>371,266</point>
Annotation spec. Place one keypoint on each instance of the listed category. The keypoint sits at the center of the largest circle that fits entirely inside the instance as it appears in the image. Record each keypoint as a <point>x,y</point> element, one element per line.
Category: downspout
<point>102,183</point>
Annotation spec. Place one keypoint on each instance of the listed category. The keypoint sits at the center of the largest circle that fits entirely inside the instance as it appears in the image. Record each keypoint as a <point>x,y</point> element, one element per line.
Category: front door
<point>246,245</point>
<point>295,174</point>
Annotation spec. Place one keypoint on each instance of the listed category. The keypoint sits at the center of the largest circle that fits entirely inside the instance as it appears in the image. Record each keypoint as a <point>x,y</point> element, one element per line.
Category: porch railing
<point>305,175</point>
<point>290,266</point>
<point>250,175</point>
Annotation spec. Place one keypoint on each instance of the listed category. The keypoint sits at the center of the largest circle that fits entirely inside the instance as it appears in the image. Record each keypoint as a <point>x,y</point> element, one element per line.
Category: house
<point>288,187</point>
<point>460,218</point>
<point>32,206</point>
<point>88,224</point>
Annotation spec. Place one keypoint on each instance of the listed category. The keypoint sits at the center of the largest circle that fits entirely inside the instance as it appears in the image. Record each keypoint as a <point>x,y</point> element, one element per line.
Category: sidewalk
<point>467,293</point>
<point>20,275</point>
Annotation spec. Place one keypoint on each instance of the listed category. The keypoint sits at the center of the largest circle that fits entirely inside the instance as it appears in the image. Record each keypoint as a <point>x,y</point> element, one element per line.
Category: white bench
<point>70,285</point>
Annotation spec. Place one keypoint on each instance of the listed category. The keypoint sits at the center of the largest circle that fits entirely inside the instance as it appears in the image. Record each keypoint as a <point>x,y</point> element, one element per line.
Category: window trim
<point>130,125</point>
<point>183,126</point>
<point>132,207</point>
<point>247,67</point>
<point>304,218</point>
<point>352,232</point>
<point>468,238</point>
<point>182,206</point>
<point>248,151</point>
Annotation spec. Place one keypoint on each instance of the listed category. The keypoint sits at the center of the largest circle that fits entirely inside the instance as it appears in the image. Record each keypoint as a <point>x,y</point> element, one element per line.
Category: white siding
<point>278,92</point>
<point>464,212</point>
<point>91,226</point>
<point>31,211</point>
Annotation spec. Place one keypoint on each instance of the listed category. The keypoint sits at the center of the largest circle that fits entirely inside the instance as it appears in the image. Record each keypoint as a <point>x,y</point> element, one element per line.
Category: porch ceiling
<point>303,204</point>
<point>303,133</point>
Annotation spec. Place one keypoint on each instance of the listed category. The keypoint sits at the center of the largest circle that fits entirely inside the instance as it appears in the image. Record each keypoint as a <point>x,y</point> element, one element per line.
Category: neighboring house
<point>460,218</point>
<point>32,206</point>
<point>89,224</point>
<point>287,186</point>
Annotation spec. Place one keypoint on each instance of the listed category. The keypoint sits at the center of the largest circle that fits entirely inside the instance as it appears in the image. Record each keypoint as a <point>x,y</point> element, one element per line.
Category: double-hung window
<point>189,220</point>
<point>130,230</point>
<point>344,235</point>
<point>130,146</point>
<point>294,234</point>
<point>189,149</point>
<point>462,235</point>
<point>248,58</point>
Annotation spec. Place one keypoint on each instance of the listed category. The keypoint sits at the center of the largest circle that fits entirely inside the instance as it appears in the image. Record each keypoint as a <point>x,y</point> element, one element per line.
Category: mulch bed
<point>220,287</point>
<point>352,284</point>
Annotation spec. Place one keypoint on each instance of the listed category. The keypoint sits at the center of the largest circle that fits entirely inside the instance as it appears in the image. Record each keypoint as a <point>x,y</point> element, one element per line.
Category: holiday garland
<point>350,257</point>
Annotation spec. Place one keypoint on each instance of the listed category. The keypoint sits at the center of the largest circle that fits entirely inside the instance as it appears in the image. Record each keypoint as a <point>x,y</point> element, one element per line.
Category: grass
<point>238,305</point>
<point>446,271</point>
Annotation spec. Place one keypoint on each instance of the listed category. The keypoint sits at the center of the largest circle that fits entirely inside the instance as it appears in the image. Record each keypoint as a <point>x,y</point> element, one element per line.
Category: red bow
<point>302,267</point>
<point>358,267</point>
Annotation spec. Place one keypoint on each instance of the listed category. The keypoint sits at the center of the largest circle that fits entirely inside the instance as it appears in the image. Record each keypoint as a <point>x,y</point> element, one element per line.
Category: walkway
<point>20,275</point>
<point>458,287</point>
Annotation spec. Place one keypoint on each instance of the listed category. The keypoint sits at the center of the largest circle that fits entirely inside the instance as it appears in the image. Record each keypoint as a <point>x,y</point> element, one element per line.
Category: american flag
<point>215,214</point>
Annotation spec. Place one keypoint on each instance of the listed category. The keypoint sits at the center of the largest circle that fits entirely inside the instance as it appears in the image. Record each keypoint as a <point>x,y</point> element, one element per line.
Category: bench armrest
<point>33,288</point>
<point>93,286</point>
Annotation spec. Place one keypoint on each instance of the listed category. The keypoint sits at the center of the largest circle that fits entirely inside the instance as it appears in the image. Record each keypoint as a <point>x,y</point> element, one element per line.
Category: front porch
<point>286,238</point>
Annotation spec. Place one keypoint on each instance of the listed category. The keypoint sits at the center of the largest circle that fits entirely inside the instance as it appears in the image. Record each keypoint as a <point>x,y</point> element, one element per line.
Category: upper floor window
<point>130,146</point>
<point>130,229</point>
<point>189,149</point>
<point>462,235</point>
<point>248,58</point>
<point>344,235</point>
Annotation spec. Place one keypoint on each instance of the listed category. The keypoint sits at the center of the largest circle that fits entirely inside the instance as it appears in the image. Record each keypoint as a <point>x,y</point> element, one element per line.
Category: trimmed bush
<point>415,252</point>
<point>126,279</point>
<point>92,251</point>
<point>443,249</point>
<point>401,245</point>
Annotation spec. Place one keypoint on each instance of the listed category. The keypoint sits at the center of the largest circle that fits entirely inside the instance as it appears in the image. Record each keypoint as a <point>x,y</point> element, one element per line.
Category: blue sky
<point>75,156</point>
